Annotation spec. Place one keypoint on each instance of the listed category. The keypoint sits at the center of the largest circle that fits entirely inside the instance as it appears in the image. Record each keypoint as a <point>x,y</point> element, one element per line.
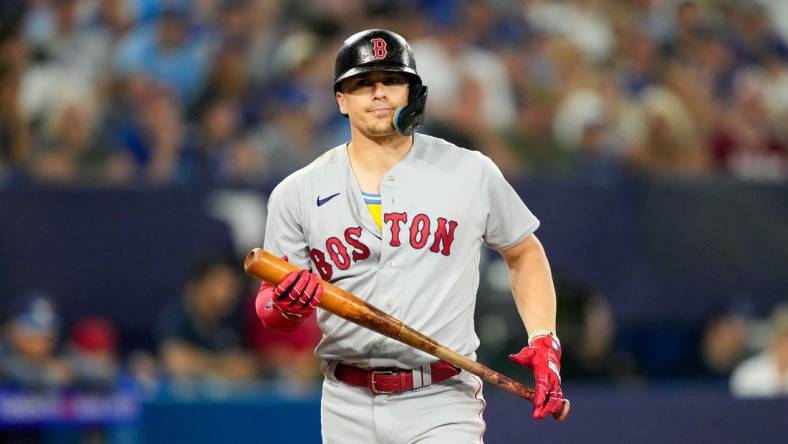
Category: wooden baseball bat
<point>266,266</point>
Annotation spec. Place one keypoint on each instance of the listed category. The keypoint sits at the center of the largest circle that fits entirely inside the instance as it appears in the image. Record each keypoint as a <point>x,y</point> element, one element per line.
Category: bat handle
<point>515,387</point>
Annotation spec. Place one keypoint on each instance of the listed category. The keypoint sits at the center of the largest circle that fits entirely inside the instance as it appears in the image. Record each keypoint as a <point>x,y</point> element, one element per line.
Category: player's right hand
<point>298,295</point>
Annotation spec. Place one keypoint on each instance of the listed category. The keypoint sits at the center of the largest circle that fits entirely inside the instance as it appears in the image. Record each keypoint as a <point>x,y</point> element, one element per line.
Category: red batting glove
<point>284,307</point>
<point>543,357</point>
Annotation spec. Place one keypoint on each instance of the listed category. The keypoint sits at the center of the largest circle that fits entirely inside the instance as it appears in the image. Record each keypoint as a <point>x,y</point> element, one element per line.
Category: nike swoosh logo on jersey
<point>320,201</point>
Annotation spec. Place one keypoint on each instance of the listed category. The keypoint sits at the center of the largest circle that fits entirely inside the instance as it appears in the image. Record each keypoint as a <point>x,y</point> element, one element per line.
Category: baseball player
<point>398,218</point>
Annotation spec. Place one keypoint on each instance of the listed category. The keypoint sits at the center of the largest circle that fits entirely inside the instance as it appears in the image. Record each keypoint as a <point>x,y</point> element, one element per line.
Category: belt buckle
<point>372,386</point>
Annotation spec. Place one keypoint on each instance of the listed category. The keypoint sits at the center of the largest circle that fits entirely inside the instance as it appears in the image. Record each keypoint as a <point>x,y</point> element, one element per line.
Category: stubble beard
<point>380,129</point>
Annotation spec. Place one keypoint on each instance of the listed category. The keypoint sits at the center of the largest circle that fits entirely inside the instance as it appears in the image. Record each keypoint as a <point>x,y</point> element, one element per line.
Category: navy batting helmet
<point>382,50</point>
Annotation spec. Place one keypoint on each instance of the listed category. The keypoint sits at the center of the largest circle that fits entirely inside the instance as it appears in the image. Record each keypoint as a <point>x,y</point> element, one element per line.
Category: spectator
<point>168,53</point>
<point>753,39</point>
<point>228,80</point>
<point>585,23</point>
<point>92,354</point>
<point>691,23</point>
<point>766,374</point>
<point>29,359</point>
<point>288,138</point>
<point>530,138</point>
<point>149,137</point>
<point>671,142</point>
<point>747,142</point>
<point>722,345</point>
<point>589,98</point>
<point>213,143</point>
<point>636,60</point>
<point>113,19</point>
<point>589,327</point>
<point>70,154</point>
<point>60,37</point>
<point>449,59</point>
<point>201,337</point>
<point>267,29</point>
<point>466,125</point>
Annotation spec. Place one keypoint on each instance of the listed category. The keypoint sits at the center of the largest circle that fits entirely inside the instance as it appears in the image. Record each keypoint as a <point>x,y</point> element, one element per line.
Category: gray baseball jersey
<point>439,205</point>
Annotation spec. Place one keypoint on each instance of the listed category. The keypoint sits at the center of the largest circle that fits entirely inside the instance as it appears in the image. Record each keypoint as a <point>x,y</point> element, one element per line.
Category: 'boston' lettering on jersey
<point>419,236</point>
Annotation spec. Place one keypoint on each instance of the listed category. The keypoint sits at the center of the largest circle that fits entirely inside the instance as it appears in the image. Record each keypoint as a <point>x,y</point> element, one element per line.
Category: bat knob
<point>251,258</point>
<point>562,414</point>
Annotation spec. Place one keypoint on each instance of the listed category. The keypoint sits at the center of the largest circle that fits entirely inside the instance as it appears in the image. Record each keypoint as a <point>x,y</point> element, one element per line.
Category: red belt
<point>391,380</point>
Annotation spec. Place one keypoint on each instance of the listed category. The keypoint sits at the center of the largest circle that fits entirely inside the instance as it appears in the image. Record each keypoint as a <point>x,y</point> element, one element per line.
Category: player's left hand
<point>543,357</point>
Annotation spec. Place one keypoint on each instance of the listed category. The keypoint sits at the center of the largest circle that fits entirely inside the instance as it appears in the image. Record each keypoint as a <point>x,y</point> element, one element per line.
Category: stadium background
<point>139,140</point>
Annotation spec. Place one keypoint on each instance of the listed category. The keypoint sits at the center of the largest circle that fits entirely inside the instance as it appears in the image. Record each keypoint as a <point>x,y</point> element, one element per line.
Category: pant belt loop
<point>422,377</point>
<point>328,367</point>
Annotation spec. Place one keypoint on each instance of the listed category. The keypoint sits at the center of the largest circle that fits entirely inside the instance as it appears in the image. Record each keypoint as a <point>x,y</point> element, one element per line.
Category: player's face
<point>371,99</point>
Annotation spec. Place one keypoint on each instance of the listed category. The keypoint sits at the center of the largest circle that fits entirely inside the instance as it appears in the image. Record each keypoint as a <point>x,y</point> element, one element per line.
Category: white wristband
<point>540,333</point>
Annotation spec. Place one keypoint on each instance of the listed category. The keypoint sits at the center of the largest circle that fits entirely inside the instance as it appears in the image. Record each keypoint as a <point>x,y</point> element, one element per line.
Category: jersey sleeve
<point>284,232</point>
<point>507,219</point>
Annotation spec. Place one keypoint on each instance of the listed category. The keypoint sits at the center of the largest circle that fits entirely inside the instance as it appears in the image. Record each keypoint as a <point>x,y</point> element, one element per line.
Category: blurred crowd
<point>129,92</point>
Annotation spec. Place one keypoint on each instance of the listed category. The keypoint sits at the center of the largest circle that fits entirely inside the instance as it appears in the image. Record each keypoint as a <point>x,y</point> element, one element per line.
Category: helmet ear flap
<point>410,118</point>
<point>414,82</point>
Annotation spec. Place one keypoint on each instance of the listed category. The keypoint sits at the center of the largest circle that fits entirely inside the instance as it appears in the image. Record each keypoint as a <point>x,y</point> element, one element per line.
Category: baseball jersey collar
<point>357,204</point>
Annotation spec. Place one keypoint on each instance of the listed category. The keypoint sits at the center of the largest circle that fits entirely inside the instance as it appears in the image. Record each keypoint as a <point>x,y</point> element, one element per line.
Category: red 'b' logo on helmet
<point>378,48</point>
